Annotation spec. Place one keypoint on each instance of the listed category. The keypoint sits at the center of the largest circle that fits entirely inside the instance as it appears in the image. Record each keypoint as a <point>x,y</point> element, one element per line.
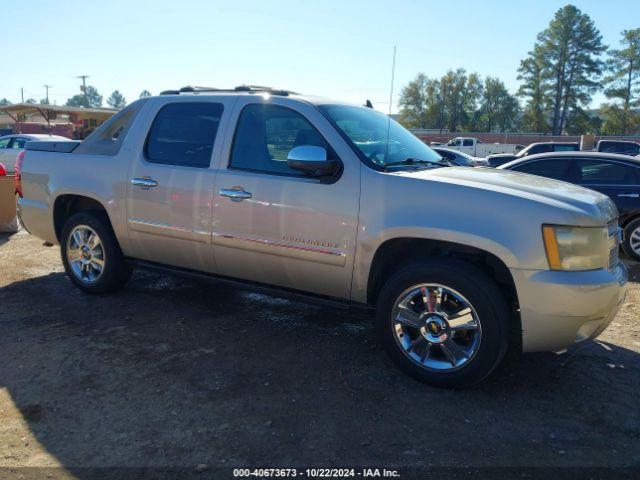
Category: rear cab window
<point>107,139</point>
<point>183,134</point>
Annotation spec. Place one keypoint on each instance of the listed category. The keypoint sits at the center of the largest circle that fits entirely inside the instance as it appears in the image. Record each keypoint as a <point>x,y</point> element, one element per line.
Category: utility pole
<point>84,88</point>
<point>22,95</point>
<point>47,87</point>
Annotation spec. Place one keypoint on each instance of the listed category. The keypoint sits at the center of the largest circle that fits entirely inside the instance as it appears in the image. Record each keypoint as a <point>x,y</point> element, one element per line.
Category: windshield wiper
<point>412,161</point>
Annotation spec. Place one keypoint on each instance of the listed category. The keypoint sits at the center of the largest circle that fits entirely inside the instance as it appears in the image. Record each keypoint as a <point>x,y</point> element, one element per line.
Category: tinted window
<point>539,149</point>
<point>184,134</point>
<point>624,148</point>
<point>599,172</point>
<point>266,133</point>
<point>108,137</point>
<point>565,148</point>
<point>468,143</point>
<point>4,142</point>
<point>18,143</point>
<point>553,168</point>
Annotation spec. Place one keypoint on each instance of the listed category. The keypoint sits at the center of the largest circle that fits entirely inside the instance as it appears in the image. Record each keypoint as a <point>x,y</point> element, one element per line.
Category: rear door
<point>468,146</point>
<point>272,224</point>
<point>170,194</point>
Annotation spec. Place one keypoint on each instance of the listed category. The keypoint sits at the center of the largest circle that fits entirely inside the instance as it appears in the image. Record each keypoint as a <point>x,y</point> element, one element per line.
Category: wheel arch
<point>396,253</point>
<point>66,205</point>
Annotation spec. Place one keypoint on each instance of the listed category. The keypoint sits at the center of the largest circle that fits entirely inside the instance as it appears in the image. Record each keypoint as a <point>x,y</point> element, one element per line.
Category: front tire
<point>443,322</point>
<point>91,255</point>
<point>631,243</point>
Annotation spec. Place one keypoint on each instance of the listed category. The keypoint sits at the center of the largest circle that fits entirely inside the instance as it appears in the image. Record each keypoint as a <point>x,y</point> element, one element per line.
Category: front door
<point>273,224</point>
<point>618,180</point>
<point>169,208</point>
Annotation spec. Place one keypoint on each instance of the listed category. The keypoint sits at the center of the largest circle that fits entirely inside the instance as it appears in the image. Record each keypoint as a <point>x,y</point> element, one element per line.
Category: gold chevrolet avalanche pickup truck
<point>322,200</point>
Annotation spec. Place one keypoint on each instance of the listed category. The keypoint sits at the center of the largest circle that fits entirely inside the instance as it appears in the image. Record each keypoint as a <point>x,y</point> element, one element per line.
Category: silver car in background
<point>11,145</point>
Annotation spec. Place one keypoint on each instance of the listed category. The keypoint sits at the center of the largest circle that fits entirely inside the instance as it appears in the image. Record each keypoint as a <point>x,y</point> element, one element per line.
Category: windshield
<point>368,130</point>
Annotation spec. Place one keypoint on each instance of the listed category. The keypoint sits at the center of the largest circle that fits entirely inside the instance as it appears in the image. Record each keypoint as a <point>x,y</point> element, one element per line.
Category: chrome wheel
<point>436,327</point>
<point>634,241</point>
<point>85,254</point>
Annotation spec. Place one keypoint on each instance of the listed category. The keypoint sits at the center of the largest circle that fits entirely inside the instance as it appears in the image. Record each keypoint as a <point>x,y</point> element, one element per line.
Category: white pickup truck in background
<point>477,148</point>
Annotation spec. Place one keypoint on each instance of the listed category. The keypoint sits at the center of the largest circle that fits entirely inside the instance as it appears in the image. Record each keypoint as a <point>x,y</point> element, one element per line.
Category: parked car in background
<point>335,203</point>
<point>460,159</point>
<point>617,176</point>
<point>11,145</point>
<point>622,147</point>
<point>477,148</point>
<point>532,149</point>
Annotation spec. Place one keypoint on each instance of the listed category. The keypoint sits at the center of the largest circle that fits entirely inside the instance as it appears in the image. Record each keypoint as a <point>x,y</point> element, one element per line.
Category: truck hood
<point>579,200</point>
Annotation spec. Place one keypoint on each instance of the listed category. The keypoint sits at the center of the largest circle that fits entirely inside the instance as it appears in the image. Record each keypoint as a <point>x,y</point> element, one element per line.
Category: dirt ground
<point>170,373</point>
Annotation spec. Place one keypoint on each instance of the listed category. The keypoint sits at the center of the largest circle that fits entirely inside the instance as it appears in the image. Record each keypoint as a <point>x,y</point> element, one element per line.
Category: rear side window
<point>108,137</point>
<point>266,134</point>
<point>598,172</point>
<point>184,134</point>
<point>467,143</point>
<point>554,168</point>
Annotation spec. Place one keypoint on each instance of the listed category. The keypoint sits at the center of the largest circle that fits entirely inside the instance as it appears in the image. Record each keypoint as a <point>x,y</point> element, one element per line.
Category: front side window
<point>266,134</point>
<point>554,168</point>
<point>4,142</point>
<point>18,143</point>
<point>184,133</point>
<point>380,140</point>
<point>598,172</point>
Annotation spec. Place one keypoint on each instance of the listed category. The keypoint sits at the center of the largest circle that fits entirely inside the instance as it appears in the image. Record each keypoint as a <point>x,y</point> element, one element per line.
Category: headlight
<point>576,248</point>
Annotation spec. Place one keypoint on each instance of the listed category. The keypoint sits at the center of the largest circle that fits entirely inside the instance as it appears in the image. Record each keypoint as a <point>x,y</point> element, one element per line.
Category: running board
<point>255,287</point>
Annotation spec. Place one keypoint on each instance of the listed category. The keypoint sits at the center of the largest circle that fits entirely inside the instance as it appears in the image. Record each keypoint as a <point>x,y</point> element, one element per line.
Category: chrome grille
<point>614,243</point>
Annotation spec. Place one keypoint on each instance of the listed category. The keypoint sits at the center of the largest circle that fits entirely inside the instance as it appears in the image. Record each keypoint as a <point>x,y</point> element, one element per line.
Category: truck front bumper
<point>558,309</point>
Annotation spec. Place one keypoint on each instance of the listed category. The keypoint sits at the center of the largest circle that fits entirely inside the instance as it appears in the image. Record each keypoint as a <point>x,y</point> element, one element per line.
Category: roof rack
<point>240,88</point>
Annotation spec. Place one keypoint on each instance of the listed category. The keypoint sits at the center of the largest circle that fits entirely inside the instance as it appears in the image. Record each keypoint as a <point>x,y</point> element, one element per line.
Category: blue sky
<point>339,49</point>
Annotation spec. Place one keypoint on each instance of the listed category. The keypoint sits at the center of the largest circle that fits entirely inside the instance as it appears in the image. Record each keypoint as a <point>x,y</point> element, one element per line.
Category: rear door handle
<point>629,195</point>
<point>237,194</point>
<point>144,182</point>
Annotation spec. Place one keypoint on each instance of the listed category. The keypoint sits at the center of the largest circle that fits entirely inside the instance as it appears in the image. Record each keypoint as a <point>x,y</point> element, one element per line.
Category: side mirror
<point>311,161</point>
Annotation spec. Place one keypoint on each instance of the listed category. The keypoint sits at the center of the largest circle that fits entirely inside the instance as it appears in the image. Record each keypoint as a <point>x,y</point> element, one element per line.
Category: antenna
<point>393,75</point>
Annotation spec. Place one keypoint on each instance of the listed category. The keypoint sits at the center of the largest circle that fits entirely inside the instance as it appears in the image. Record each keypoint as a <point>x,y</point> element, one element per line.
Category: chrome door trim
<point>168,230</point>
<point>328,255</point>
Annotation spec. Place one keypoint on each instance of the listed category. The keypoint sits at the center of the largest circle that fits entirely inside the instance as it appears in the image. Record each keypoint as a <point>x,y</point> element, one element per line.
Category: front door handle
<point>629,195</point>
<point>144,182</point>
<point>237,194</point>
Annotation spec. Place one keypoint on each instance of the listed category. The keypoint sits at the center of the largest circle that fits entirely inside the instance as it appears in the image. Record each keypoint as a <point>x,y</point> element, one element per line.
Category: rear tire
<point>91,255</point>
<point>631,243</point>
<point>454,326</point>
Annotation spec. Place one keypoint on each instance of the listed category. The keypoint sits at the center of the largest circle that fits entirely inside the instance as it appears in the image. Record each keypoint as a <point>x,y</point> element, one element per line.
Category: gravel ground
<point>171,373</point>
